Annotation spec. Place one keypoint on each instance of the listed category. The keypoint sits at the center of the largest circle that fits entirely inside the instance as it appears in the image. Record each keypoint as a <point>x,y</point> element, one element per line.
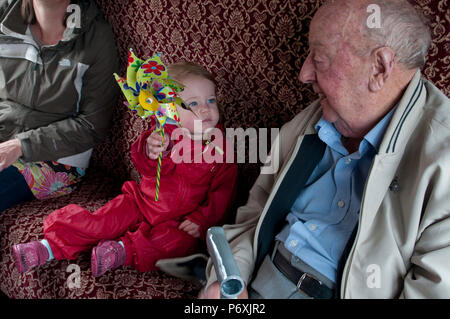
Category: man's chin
<point>328,113</point>
<point>332,117</point>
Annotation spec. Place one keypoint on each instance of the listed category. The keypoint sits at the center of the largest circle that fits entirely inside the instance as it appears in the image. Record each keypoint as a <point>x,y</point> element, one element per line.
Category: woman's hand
<point>10,151</point>
<point>155,144</point>
<point>190,228</point>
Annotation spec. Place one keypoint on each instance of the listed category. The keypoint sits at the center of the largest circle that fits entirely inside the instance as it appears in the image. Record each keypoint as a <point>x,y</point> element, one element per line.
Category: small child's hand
<point>155,144</point>
<point>190,228</point>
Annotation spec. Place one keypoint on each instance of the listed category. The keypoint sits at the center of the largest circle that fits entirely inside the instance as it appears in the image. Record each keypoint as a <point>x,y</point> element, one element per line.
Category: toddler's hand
<point>190,228</point>
<point>155,144</point>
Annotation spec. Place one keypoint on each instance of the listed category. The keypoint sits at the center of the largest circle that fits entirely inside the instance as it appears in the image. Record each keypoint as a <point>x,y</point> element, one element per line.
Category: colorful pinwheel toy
<point>150,92</point>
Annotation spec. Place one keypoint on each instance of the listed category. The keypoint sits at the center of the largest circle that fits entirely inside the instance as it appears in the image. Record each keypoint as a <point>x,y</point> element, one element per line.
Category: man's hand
<point>155,144</point>
<point>213,292</point>
<point>10,151</point>
<point>190,228</point>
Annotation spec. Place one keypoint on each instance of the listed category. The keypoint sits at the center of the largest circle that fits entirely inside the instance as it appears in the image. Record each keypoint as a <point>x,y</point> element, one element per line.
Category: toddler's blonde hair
<point>180,70</point>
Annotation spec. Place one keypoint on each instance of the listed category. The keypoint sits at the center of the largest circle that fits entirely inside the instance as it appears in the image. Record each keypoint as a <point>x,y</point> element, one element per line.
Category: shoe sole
<point>94,268</point>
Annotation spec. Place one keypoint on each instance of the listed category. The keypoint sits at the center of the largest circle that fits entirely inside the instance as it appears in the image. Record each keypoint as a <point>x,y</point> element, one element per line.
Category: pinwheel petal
<point>134,64</point>
<point>131,98</point>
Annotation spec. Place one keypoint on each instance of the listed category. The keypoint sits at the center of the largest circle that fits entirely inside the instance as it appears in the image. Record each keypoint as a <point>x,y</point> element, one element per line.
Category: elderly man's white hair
<point>403,29</point>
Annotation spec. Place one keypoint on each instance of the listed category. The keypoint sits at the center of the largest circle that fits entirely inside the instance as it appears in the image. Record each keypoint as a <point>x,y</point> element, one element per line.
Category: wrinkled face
<point>200,95</point>
<point>336,73</point>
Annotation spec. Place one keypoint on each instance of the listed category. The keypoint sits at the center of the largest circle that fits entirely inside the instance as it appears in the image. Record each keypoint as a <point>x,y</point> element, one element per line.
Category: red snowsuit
<point>199,192</point>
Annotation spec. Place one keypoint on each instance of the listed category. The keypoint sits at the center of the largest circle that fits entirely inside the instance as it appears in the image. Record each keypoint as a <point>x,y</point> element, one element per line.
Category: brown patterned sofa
<point>255,48</point>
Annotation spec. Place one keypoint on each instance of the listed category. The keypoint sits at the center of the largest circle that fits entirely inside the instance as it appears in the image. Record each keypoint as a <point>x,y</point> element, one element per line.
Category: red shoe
<point>107,255</point>
<point>29,255</point>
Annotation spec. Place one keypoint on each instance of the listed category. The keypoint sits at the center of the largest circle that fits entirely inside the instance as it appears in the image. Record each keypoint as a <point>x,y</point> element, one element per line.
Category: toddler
<point>134,229</point>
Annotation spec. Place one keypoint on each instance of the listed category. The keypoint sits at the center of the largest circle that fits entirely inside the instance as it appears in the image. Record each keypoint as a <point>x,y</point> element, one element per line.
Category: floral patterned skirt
<point>50,179</point>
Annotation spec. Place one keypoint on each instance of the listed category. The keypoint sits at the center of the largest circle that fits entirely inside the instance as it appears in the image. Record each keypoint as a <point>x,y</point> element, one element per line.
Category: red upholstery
<point>256,49</point>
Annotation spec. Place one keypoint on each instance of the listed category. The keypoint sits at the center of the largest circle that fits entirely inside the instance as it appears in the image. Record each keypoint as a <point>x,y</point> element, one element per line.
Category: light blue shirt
<point>326,211</point>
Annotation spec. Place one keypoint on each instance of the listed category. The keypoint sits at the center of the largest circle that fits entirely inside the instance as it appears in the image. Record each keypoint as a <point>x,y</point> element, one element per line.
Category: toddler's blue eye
<point>192,104</point>
<point>211,101</point>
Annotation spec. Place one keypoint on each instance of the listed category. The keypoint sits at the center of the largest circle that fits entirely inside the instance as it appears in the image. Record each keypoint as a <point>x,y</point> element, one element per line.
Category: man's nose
<point>307,73</point>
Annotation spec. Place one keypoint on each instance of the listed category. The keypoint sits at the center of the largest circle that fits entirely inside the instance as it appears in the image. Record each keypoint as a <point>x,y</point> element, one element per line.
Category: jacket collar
<point>405,118</point>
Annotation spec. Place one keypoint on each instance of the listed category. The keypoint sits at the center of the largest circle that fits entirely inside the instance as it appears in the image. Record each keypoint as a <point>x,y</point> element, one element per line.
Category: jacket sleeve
<point>145,165</point>
<point>429,274</point>
<point>4,4</point>
<point>91,123</point>
<point>220,198</point>
<point>241,235</point>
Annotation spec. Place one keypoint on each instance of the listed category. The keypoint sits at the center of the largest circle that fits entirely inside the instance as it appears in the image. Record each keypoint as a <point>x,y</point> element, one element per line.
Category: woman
<point>57,93</point>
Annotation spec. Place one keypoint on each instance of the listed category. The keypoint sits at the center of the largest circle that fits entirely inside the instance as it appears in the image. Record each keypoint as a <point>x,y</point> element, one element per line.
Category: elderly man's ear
<point>382,66</point>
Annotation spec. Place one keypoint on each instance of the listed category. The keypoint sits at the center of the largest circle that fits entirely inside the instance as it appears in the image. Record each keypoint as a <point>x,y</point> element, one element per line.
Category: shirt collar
<point>331,136</point>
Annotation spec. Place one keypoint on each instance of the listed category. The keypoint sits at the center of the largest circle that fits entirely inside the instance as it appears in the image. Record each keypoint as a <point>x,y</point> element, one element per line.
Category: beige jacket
<point>402,247</point>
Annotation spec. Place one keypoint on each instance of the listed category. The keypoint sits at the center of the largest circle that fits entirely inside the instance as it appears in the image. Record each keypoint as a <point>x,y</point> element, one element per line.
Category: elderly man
<point>361,206</point>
